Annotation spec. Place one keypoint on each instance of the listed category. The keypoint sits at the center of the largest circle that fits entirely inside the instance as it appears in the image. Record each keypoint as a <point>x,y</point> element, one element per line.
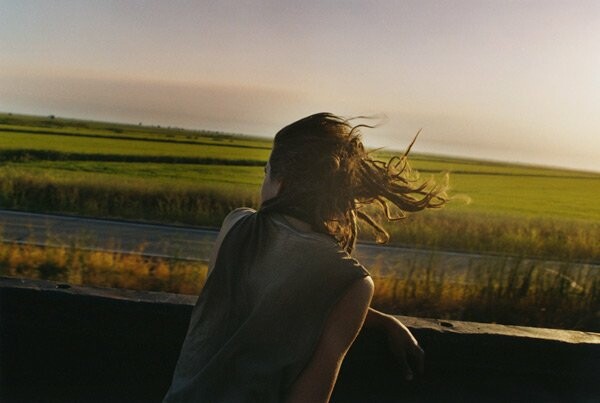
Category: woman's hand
<point>401,343</point>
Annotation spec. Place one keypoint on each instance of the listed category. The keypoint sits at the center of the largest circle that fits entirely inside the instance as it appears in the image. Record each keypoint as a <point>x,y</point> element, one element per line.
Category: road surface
<point>195,243</point>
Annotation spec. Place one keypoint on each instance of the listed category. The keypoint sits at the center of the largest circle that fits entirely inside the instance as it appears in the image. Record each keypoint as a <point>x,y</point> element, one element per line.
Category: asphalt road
<point>112,235</point>
<point>196,243</point>
<point>151,239</point>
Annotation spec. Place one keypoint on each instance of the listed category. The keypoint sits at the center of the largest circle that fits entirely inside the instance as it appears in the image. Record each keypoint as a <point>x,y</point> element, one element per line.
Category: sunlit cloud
<point>515,81</point>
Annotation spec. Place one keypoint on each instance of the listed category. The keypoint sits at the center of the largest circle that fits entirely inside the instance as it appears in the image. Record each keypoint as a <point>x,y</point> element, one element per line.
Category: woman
<point>284,300</point>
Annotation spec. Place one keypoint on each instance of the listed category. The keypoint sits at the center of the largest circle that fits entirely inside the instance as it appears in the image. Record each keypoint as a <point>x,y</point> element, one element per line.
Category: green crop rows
<point>195,177</point>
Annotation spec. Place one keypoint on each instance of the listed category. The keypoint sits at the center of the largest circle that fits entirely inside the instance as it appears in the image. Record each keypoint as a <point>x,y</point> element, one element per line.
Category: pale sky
<point>517,81</point>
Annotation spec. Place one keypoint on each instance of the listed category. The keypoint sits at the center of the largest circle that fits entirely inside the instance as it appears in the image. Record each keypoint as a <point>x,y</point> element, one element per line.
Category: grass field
<point>194,178</point>
<point>171,175</point>
<point>59,146</point>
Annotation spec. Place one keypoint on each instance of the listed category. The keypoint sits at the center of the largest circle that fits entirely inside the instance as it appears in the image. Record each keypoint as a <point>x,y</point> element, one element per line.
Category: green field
<point>59,146</point>
<point>196,177</point>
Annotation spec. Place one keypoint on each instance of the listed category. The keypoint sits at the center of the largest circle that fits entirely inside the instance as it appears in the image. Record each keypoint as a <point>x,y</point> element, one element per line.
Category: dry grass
<point>509,291</point>
<point>101,268</point>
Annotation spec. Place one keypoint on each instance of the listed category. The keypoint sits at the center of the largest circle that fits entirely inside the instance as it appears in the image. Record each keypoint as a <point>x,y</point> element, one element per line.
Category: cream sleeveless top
<point>259,317</point>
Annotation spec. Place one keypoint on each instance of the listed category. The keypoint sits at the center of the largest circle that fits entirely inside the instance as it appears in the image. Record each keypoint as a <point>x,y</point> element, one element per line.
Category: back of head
<point>327,177</point>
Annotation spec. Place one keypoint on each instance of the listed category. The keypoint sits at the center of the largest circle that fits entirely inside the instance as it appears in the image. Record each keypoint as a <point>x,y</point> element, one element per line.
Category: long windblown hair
<point>328,177</point>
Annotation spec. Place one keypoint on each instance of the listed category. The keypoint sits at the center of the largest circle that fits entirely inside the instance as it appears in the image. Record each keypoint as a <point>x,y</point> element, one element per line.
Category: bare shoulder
<point>362,287</point>
<point>347,315</point>
<point>357,294</point>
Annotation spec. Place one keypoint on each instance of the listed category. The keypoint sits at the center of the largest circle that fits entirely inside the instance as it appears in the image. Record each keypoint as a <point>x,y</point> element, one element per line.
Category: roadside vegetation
<point>170,175</point>
<point>195,178</point>
<point>511,291</point>
<point>78,266</point>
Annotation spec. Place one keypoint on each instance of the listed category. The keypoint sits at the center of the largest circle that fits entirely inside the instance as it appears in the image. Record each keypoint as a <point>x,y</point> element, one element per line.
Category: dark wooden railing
<point>67,343</point>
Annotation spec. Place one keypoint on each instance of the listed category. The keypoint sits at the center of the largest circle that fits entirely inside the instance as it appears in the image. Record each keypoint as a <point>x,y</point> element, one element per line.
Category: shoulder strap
<point>228,223</point>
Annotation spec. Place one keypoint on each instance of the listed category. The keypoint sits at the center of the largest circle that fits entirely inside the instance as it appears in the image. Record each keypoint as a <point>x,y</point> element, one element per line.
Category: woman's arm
<point>401,342</point>
<point>317,380</point>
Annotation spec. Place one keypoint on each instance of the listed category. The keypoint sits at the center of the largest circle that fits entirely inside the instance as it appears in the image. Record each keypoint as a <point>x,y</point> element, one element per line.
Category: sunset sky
<point>515,81</point>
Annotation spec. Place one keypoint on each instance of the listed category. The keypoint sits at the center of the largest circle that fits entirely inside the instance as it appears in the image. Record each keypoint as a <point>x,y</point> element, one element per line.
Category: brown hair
<point>327,177</point>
